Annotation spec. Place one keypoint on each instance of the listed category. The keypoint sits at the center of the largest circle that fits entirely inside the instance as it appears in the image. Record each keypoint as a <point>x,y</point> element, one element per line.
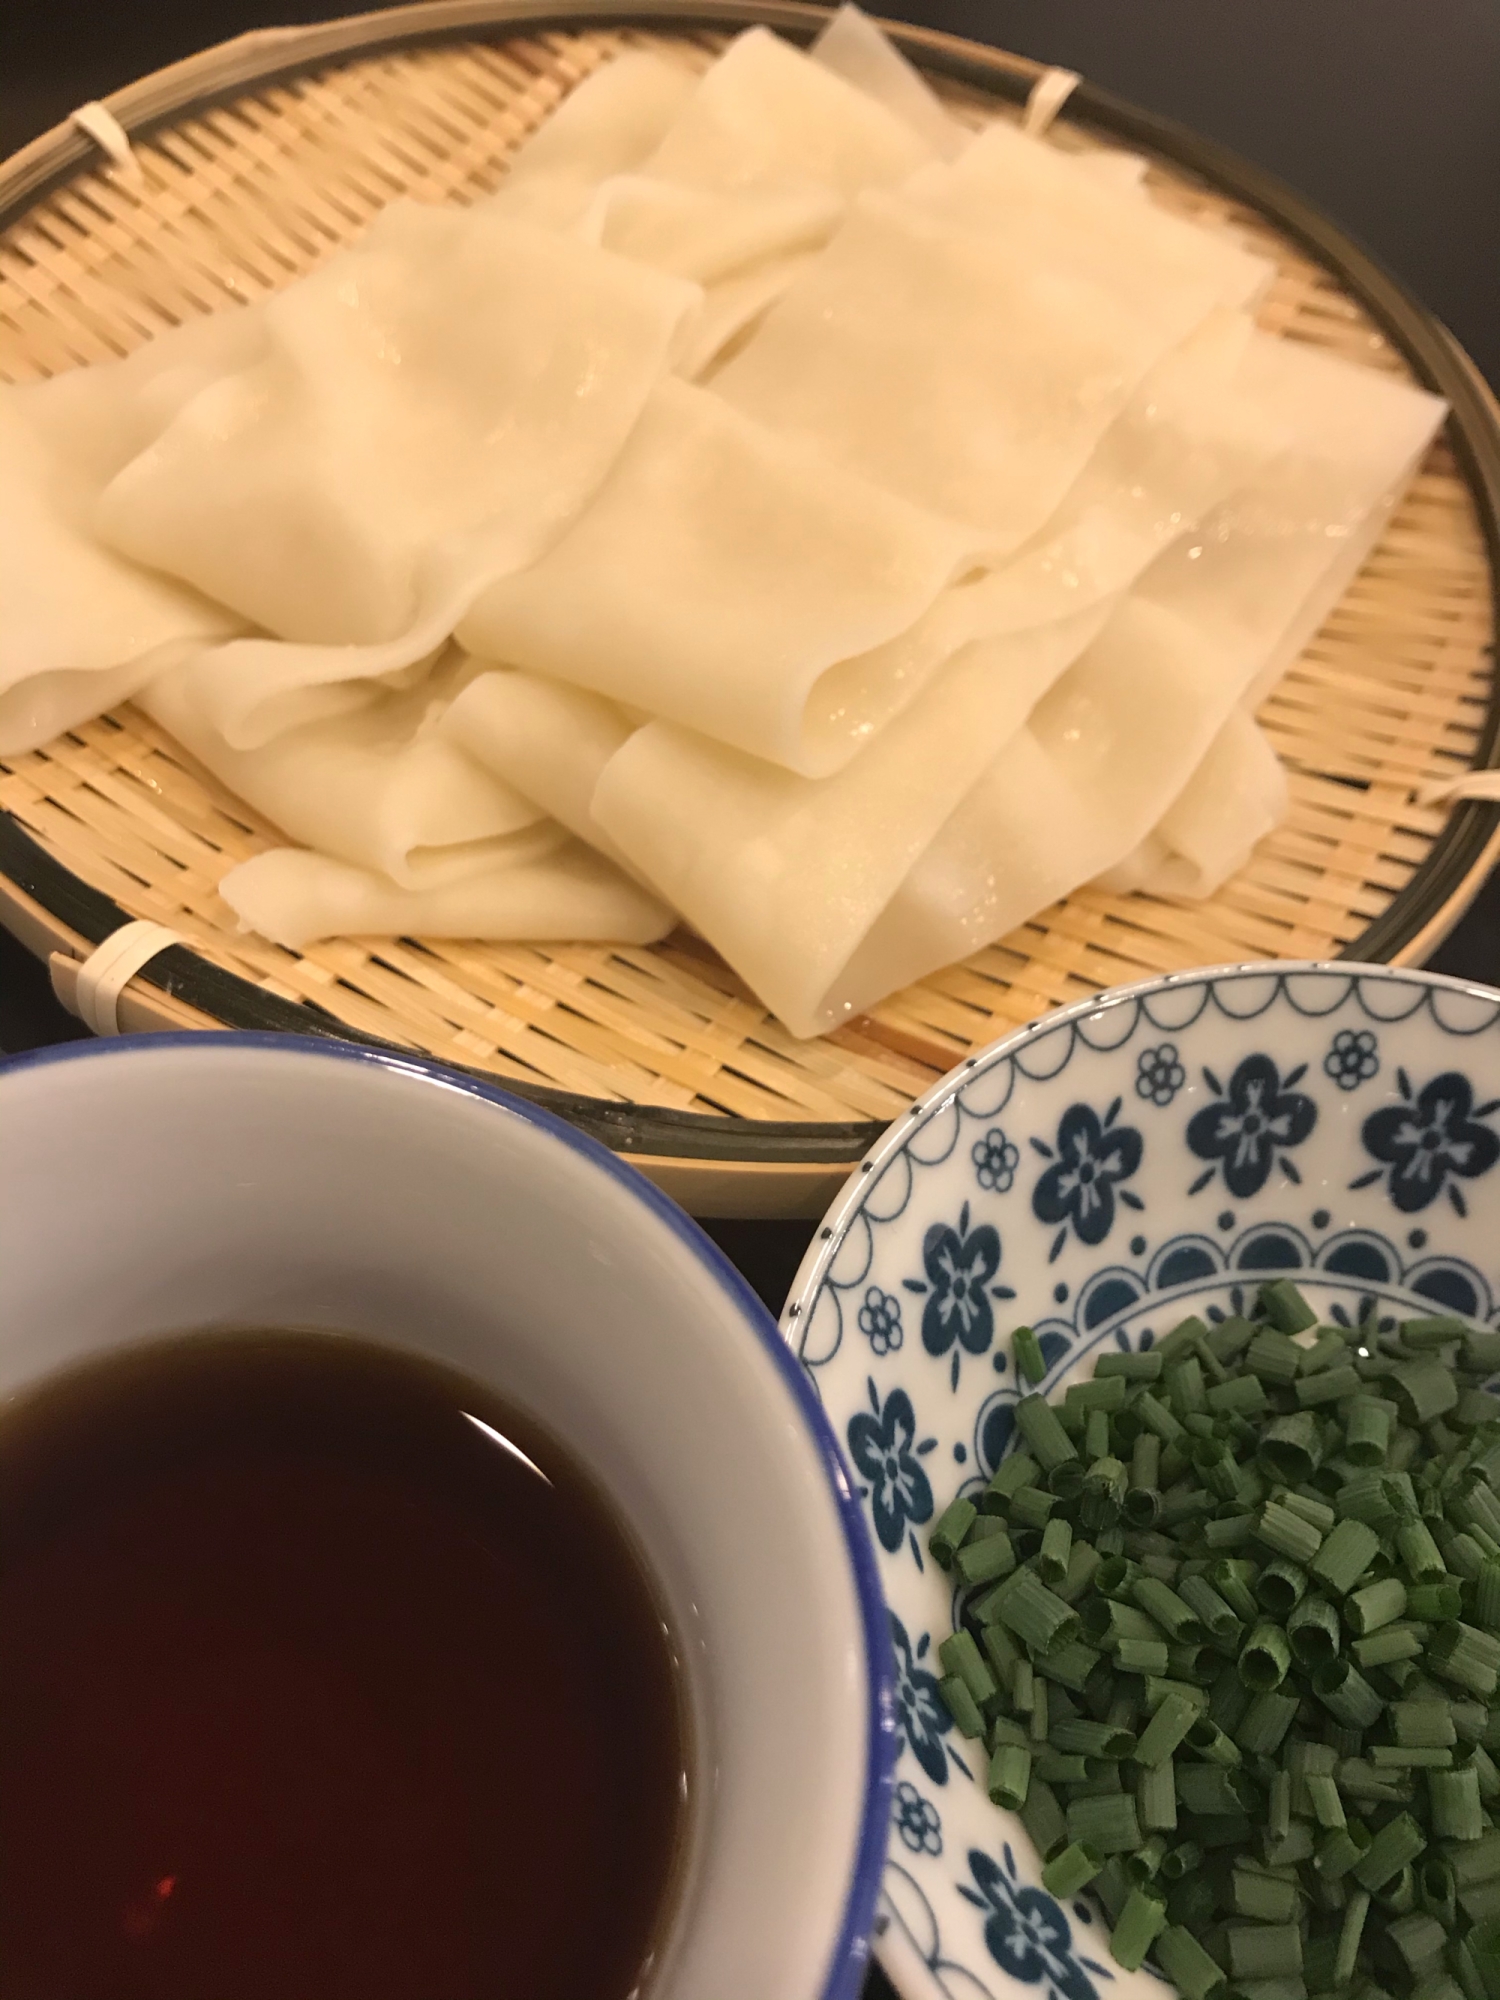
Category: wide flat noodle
<point>449,391</point>
<point>1237,795</point>
<point>607,125</point>
<point>854,48</point>
<point>545,739</point>
<point>1187,439</point>
<point>294,898</point>
<point>1043,205</point>
<point>767,116</point>
<point>723,578</point>
<point>82,627</point>
<point>1114,746</point>
<point>783,874</point>
<point>381,788</point>
<point>973,384</point>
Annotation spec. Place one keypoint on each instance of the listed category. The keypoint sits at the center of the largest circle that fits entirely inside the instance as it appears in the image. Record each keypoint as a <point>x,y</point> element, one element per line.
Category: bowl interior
<point>171,1184</point>
<point>1155,1153</point>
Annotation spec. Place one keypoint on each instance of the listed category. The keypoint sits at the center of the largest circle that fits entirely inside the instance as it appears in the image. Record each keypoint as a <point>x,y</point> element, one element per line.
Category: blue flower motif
<point>880,1320</point>
<point>1092,1157</point>
<point>924,1714</point>
<point>1158,1074</point>
<point>995,1161</point>
<point>1353,1059</point>
<point>917,1821</point>
<point>1251,1126</point>
<point>1430,1142</point>
<point>959,1264</point>
<point>1025,1930</point>
<point>884,1447</point>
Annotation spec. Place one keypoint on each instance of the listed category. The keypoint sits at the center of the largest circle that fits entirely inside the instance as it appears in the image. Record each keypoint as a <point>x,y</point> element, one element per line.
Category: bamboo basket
<point>260,158</point>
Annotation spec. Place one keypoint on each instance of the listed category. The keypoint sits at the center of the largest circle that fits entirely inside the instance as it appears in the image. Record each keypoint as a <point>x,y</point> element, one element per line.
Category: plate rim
<point>1440,888</point>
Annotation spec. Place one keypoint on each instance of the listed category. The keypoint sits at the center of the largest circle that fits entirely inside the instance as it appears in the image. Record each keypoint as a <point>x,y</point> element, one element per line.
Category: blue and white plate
<point>1100,1175</point>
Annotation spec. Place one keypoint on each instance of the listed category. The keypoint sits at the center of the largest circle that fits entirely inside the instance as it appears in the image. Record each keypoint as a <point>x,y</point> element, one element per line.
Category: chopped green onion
<point>1028,1352</point>
<point>1038,1423</point>
<point>1312,1630</point>
<point>1108,1825</point>
<point>1285,1307</point>
<point>1265,1658</point>
<point>1140,1922</point>
<point>1071,1870</point>
<point>953,1524</point>
<point>1010,1776</point>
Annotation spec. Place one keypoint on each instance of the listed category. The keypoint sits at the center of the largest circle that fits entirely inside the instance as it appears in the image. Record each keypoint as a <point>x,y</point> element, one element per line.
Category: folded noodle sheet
<point>381,788</point>
<point>431,410</point>
<point>81,627</point>
<point>730,579</point>
<point>1114,746</point>
<point>295,897</point>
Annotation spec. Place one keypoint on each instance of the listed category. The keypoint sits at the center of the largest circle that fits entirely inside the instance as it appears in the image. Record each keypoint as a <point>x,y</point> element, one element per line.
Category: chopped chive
<point>1367,1431</point>
<point>953,1524</point>
<point>1487,1596</point>
<point>1312,1630</point>
<point>1156,1587</point>
<point>1331,1386</point>
<point>1424,1724</point>
<point>1268,1899</point>
<point>1108,1825</point>
<point>1287,1533</point>
<point>1071,1870</point>
<point>1189,1967</point>
<point>1280,1587</point>
<point>1346,1694</point>
<point>1167,1610</point>
<point>1328,1807</point>
<point>1241,1395</point>
<point>962,1706</point>
<point>1038,1617</point>
<point>961,1656</point>
<point>1043,1818</point>
<point>1285,1307</point>
<point>1350,1931</point>
<point>1166,1731</point>
<point>1010,1775</point>
<point>1454,1799</point>
<point>1028,1352</point>
<point>1420,1556</point>
<point>1365,1611</point>
<point>1265,1951</point>
<point>1141,1921</point>
<point>1038,1423</point>
<point>989,1558</point>
<point>1266,1722</point>
<point>1156,1797</point>
<point>1344,1556</point>
<point>1398,1843</point>
<point>1134,1367</point>
<point>1057,1548</point>
<point>1141,1656</point>
<point>1264,1658</point>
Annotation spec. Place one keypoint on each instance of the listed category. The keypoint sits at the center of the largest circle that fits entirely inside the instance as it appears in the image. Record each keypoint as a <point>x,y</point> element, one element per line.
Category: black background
<point>1384,112</point>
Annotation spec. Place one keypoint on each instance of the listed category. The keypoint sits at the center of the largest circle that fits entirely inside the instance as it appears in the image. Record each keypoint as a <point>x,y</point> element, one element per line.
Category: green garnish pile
<point>1230,1635</point>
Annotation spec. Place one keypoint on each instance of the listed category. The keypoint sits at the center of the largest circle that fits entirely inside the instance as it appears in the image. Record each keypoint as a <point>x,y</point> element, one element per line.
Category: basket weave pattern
<point>243,198</point>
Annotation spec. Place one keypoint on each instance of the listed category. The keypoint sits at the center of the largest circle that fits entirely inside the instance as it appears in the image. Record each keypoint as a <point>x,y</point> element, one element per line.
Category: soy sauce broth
<point>323,1676</point>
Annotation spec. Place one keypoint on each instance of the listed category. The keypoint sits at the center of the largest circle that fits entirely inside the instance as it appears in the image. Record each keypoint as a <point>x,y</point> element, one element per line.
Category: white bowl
<point>1156,1152</point>
<point>183,1181</point>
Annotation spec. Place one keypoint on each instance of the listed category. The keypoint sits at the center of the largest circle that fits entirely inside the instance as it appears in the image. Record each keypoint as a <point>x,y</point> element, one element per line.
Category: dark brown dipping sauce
<point>310,1689</point>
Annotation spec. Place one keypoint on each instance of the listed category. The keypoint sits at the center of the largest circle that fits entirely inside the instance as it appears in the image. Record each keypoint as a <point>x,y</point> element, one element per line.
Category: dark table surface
<point>1384,112</point>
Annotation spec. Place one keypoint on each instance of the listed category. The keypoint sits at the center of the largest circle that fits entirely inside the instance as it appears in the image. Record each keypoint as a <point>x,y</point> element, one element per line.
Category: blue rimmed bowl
<point>1156,1152</point>
<point>176,1182</point>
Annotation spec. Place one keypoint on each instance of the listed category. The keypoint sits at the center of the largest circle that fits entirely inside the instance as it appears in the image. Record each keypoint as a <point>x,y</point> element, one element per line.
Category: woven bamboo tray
<point>261,157</point>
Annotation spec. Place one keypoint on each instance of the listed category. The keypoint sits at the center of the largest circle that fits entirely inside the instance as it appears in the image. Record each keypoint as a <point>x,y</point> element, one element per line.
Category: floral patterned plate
<point>1101,1174</point>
